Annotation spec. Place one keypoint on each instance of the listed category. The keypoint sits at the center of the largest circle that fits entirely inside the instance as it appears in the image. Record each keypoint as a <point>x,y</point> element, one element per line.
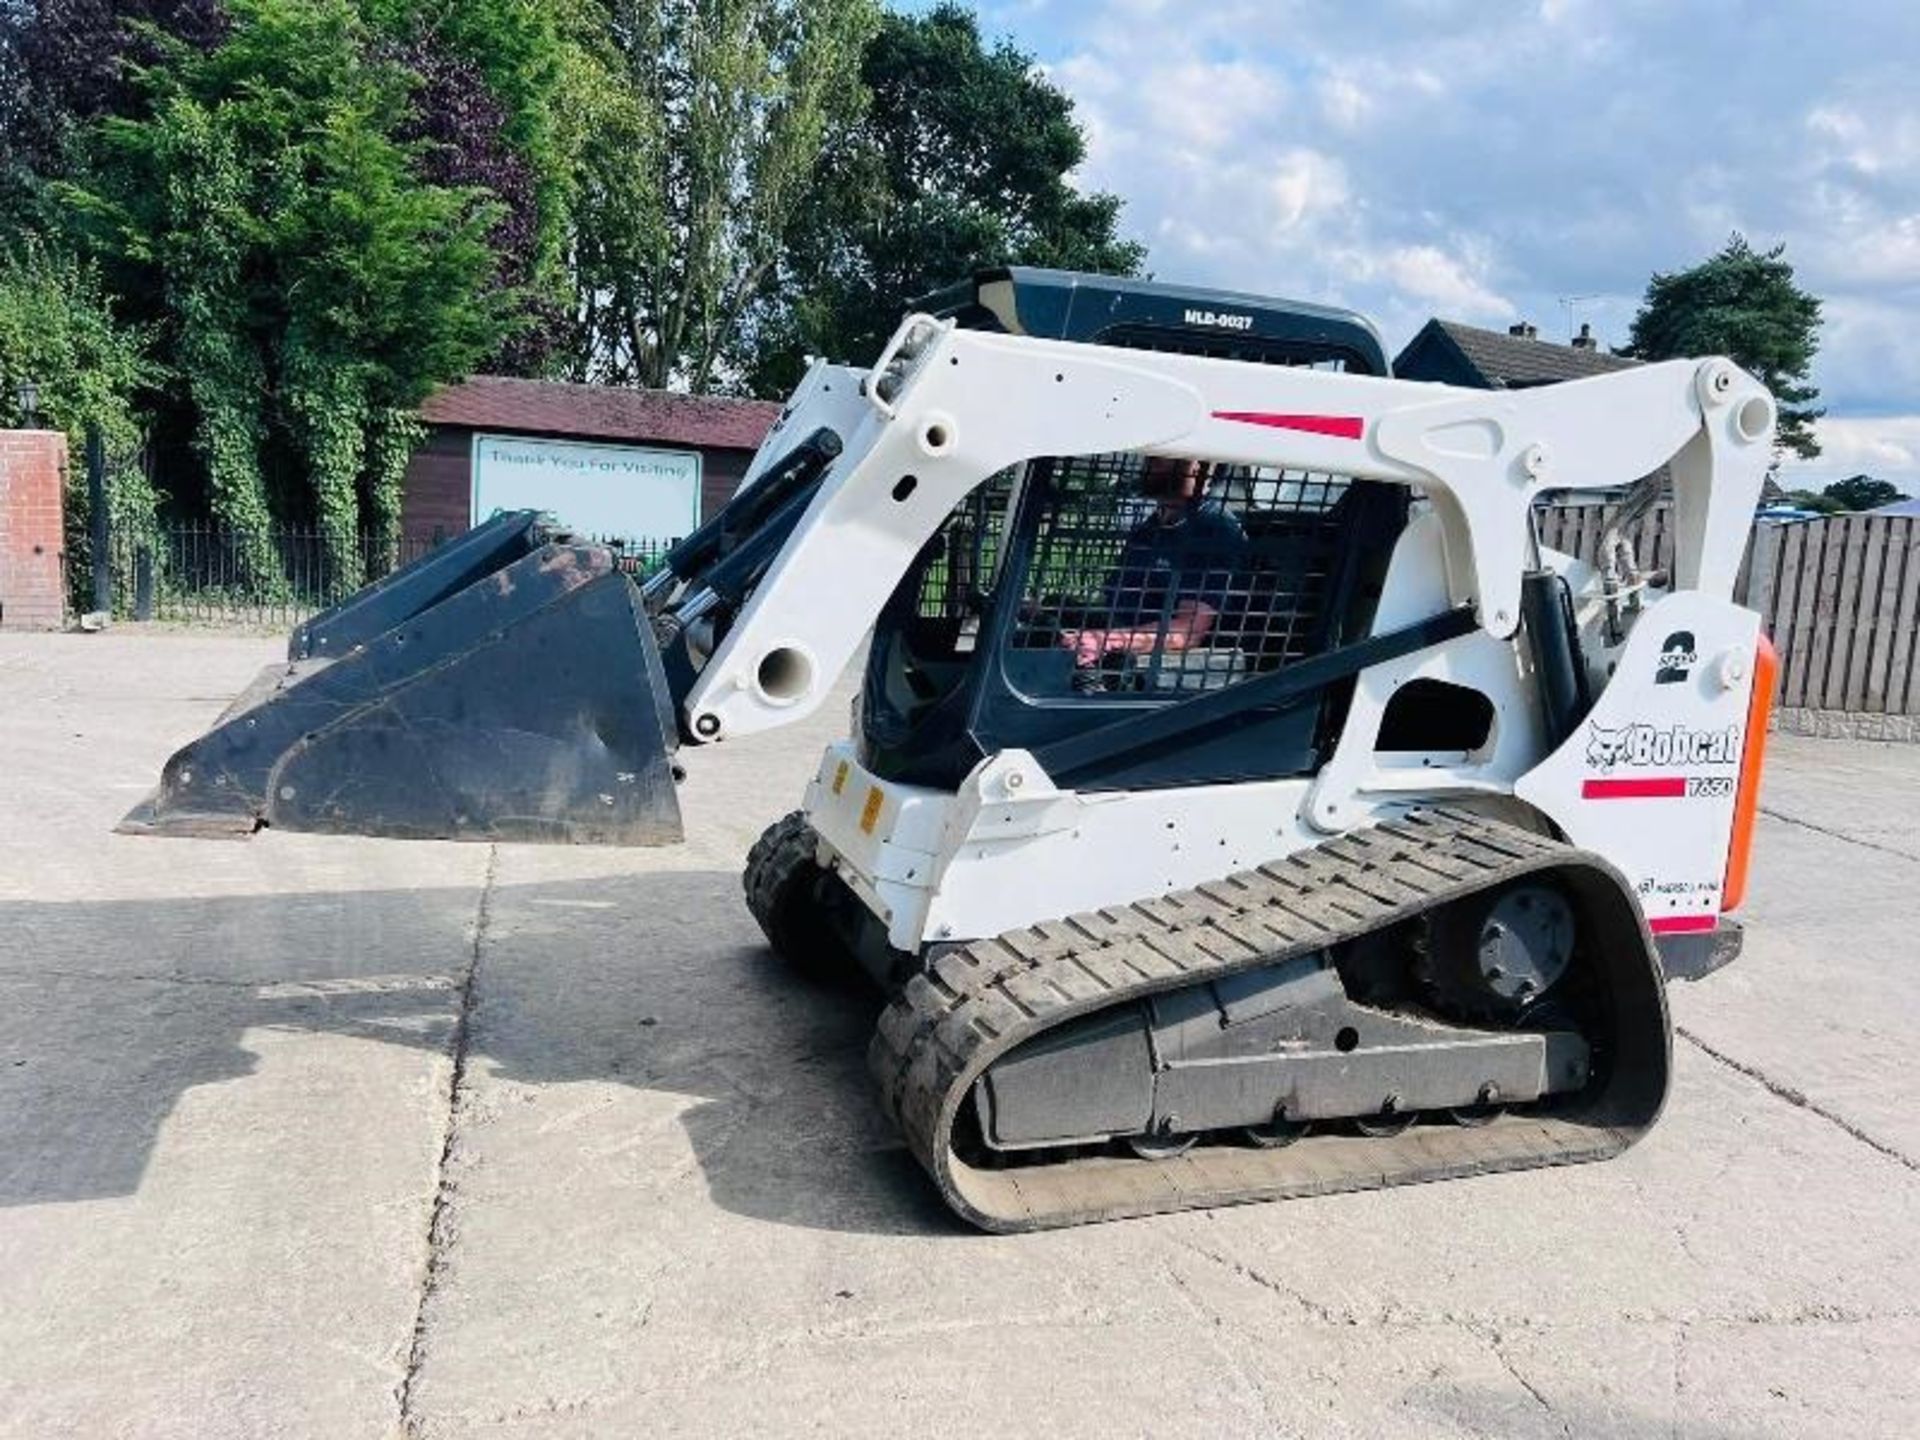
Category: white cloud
<point>1885,446</point>
<point>1426,273</point>
<point>1884,141</point>
<point>1301,184</point>
<point>1480,161</point>
<point>1343,101</point>
<point>1870,354</point>
<point>1207,107</point>
<point>1198,147</point>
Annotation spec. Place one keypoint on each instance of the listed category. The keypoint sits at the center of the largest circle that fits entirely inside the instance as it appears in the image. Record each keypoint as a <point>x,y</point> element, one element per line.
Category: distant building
<point>1514,359</point>
<point>608,460</point>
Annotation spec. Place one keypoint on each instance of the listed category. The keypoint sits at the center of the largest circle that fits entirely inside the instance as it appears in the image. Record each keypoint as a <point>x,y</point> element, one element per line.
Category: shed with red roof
<point>636,438</point>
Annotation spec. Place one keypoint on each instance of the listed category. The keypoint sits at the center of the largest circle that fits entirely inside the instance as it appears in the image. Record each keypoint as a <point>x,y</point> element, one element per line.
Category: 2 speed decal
<point>1677,658</point>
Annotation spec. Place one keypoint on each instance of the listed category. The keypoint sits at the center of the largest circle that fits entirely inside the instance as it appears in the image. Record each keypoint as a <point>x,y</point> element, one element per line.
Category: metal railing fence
<point>198,572</point>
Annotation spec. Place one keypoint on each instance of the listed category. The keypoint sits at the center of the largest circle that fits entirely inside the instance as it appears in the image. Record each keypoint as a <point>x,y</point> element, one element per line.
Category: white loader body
<point>1648,780</point>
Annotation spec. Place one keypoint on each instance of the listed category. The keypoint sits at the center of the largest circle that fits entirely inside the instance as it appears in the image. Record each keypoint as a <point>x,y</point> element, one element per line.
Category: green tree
<point>1862,492</point>
<point>1741,303</point>
<point>492,104</point>
<point>1814,500</point>
<point>59,331</point>
<point>307,286</point>
<point>960,161</point>
<point>705,126</point>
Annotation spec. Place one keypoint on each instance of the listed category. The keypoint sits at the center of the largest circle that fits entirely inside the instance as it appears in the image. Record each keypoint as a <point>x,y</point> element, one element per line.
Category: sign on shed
<point>612,491</point>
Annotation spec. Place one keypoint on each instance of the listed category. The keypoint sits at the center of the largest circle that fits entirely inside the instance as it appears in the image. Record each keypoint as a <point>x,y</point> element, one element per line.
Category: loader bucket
<point>443,571</point>
<point>528,705</point>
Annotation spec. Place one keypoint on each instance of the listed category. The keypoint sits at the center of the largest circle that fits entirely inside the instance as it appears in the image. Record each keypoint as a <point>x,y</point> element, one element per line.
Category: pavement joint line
<point>1495,1343</point>
<point>108,977</point>
<point>1225,1351</point>
<point>1797,1098</point>
<point>1314,1309</point>
<point>1493,1326</point>
<point>439,1220</point>
<point>1679,1374</point>
<point>321,989</point>
<point>1840,835</point>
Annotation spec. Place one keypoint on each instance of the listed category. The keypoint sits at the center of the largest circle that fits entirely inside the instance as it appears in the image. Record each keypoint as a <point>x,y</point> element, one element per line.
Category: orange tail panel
<point>1746,805</point>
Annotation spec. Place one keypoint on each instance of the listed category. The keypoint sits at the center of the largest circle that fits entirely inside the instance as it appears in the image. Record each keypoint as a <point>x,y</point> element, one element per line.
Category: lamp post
<point>28,394</point>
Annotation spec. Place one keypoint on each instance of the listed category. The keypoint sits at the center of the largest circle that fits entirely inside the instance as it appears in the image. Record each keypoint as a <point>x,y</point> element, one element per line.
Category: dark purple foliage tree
<point>462,128</point>
<point>64,62</point>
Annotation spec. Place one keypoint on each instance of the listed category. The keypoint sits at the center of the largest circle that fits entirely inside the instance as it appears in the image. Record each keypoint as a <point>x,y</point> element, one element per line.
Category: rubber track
<point>976,1003</point>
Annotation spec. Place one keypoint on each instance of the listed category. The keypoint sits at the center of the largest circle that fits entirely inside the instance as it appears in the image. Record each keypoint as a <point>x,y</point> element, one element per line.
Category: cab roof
<point>1149,315</point>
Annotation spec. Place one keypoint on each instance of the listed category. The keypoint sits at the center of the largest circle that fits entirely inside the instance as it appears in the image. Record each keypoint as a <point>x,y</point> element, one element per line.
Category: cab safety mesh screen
<point>1227,577</point>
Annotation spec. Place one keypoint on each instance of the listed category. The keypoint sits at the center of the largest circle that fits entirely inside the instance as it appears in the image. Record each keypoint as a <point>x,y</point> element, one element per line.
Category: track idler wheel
<point>1277,1133</point>
<point>1389,1122</point>
<point>1485,1113</point>
<point>1161,1147</point>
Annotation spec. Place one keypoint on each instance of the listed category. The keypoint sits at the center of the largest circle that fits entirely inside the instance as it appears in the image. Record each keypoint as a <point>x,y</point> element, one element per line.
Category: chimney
<point>1522,330</point>
<point>1584,340</point>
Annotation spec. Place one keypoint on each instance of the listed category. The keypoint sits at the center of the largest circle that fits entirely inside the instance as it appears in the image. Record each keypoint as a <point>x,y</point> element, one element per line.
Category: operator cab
<point>1072,592</point>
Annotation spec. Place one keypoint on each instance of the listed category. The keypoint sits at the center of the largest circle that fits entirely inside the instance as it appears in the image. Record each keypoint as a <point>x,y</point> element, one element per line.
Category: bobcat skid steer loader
<point>1240,804</point>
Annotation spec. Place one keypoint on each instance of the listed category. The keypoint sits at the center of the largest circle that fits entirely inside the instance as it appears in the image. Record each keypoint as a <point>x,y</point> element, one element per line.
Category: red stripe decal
<point>1340,427</point>
<point>1682,924</point>
<point>1657,787</point>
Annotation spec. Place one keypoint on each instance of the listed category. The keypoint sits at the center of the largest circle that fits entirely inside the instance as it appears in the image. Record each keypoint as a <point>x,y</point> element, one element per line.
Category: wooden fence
<point>1840,597</point>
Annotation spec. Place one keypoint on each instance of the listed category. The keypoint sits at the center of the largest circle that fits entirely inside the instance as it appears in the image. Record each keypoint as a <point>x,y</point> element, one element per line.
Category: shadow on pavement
<point>1496,1410</point>
<point>111,1011</point>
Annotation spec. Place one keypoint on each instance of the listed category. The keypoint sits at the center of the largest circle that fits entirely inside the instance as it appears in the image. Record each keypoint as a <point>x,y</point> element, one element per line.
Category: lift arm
<point>946,409</point>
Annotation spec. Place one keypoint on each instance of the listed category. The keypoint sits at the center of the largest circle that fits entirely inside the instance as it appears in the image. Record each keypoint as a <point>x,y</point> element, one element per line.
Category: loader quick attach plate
<point>529,705</point>
<point>978,1003</point>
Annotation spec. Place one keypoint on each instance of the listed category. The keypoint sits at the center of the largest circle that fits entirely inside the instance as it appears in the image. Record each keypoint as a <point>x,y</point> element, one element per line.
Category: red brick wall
<point>33,466</point>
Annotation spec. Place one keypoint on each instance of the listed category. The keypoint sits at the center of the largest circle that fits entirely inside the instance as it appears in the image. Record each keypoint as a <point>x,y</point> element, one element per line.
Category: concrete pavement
<point>342,1138</point>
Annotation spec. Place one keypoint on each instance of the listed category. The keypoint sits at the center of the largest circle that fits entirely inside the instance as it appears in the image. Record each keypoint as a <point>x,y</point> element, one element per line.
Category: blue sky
<point>1482,159</point>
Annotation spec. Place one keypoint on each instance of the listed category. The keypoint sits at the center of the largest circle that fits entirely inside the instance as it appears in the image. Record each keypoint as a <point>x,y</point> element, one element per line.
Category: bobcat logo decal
<point>1605,747</point>
<point>1639,743</point>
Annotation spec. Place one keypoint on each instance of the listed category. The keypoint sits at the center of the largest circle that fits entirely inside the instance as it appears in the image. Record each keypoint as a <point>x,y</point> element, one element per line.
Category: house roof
<point>601,412</point>
<point>1513,361</point>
